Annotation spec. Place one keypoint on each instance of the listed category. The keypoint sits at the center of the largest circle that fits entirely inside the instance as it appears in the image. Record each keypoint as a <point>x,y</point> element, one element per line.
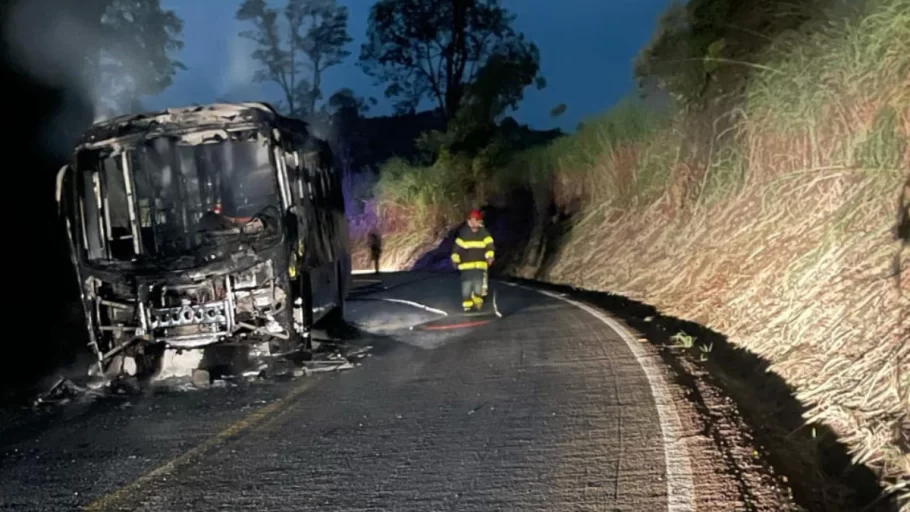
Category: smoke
<point>62,45</point>
<point>51,41</point>
<point>321,126</point>
<point>48,41</point>
<point>240,69</point>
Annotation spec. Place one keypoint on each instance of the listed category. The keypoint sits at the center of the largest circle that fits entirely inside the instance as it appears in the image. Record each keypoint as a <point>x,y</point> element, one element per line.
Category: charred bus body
<point>204,225</point>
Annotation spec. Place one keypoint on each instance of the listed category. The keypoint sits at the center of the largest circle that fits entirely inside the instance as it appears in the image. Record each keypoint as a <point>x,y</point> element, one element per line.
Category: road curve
<point>551,407</point>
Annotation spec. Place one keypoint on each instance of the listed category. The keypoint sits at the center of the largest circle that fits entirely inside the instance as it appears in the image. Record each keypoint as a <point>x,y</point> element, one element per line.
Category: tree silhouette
<point>498,87</point>
<point>137,41</point>
<point>344,112</point>
<point>296,52</point>
<point>434,50</point>
<point>344,102</point>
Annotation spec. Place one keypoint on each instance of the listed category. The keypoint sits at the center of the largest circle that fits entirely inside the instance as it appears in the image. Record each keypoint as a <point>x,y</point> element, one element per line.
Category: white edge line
<point>409,303</point>
<point>680,489</point>
<point>361,272</point>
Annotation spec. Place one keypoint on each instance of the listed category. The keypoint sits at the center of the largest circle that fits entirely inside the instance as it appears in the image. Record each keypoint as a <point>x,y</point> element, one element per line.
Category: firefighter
<point>472,254</point>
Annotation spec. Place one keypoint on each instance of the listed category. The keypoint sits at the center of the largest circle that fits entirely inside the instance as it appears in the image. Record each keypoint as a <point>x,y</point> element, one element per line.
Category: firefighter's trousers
<point>473,282</point>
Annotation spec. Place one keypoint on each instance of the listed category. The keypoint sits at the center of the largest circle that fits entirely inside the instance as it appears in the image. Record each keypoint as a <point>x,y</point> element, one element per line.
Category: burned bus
<point>205,225</point>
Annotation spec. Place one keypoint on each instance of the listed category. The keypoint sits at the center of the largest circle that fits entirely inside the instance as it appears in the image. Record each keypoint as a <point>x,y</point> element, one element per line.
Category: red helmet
<point>475,214</point>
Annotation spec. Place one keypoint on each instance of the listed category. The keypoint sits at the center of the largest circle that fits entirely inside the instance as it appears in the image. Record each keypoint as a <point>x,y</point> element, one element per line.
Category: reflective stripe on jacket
<point>473,249</point>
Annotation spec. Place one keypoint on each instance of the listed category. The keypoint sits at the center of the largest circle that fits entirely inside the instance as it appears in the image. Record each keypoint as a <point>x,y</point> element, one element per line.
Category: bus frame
<point>268,288</point>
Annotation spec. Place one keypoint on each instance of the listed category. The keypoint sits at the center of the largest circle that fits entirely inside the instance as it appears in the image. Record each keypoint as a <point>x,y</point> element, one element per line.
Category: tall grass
<point>600,162</point>
<point>836,94</point>
<point>421,194</point>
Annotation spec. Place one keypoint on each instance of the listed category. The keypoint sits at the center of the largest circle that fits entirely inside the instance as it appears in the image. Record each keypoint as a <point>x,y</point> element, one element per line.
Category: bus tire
<point>335,317</point>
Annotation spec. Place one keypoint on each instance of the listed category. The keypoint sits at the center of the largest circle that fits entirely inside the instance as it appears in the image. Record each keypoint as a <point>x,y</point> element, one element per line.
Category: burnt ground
<point>547,408</point>
<point>747,417</point>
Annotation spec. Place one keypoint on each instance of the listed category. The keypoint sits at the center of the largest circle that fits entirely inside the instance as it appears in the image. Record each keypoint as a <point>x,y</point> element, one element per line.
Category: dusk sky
<point>587,48</point>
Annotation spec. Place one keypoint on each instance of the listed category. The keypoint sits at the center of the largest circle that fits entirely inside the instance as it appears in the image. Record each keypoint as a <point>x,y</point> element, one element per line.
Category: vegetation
<point>705,49</point>
<point>296,53</point>
<point>438,51</point>
<point>761,204</point>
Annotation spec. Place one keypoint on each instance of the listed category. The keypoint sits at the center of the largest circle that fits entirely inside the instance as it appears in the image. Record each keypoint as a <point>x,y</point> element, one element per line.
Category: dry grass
<point>407,234</point>
<point>401,250</point>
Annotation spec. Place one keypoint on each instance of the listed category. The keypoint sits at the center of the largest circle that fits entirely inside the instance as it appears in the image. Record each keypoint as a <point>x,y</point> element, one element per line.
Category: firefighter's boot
<point>478,302</point>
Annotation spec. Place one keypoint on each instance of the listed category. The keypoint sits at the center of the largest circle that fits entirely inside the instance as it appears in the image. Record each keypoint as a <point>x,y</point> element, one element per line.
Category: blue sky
<point>586,46</point>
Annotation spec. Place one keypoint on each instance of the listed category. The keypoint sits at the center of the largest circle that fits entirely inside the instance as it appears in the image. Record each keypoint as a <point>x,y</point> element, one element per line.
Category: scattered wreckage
<point>212,225</point>
<point>325,359</point>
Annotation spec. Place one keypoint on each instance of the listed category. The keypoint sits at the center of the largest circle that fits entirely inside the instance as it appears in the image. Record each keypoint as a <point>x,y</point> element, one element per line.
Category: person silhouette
<point>375,242</point>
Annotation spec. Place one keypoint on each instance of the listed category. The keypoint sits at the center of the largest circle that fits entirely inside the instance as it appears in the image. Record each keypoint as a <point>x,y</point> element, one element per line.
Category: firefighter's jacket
<point>473,249</point>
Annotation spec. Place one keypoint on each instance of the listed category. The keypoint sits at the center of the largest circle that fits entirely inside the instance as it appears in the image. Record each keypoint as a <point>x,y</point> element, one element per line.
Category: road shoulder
<point>730,468</point>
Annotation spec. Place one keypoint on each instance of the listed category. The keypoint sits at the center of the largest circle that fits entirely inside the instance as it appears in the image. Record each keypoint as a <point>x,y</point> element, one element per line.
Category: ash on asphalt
<point>381,317</point>
<point>406,322</point>
<point>222,367</point>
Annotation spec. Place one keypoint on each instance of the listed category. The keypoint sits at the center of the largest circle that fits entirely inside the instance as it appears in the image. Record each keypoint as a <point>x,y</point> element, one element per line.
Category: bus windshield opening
<point>168,199</point>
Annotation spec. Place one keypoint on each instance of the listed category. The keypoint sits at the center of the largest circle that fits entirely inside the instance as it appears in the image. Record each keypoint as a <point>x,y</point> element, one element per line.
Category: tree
<point>344,102</point>
<point>344,112</point>
<point>296,54</point>
<point>435,50</point>
<point>500,83</point>
<point>135,60</point>
<point>111,52</point>
<point>498,87</point>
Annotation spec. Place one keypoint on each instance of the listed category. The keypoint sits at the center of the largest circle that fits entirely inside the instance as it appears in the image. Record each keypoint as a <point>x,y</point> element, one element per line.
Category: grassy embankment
<point>771,223</point>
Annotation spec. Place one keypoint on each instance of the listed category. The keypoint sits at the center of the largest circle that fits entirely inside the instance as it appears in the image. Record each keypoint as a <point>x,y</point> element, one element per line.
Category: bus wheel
<point>335,317</point>
<point>301,318</point>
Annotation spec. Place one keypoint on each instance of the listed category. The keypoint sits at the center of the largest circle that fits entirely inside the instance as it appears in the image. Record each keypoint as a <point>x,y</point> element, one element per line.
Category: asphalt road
<point>547,408</point>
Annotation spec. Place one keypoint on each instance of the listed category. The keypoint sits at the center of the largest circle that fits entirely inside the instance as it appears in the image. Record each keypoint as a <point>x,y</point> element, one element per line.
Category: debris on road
<point>64,391</point>
<point>201,378</point>
<point>327,366</point>
<point>340,358</point>
<point>330,356</point>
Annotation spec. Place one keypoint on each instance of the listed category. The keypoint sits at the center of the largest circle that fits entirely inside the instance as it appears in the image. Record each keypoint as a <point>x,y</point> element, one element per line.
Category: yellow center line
<point>116,499</point>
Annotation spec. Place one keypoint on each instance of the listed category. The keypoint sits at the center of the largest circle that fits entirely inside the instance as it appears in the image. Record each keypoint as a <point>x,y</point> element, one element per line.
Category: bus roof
<point>127,129</point>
